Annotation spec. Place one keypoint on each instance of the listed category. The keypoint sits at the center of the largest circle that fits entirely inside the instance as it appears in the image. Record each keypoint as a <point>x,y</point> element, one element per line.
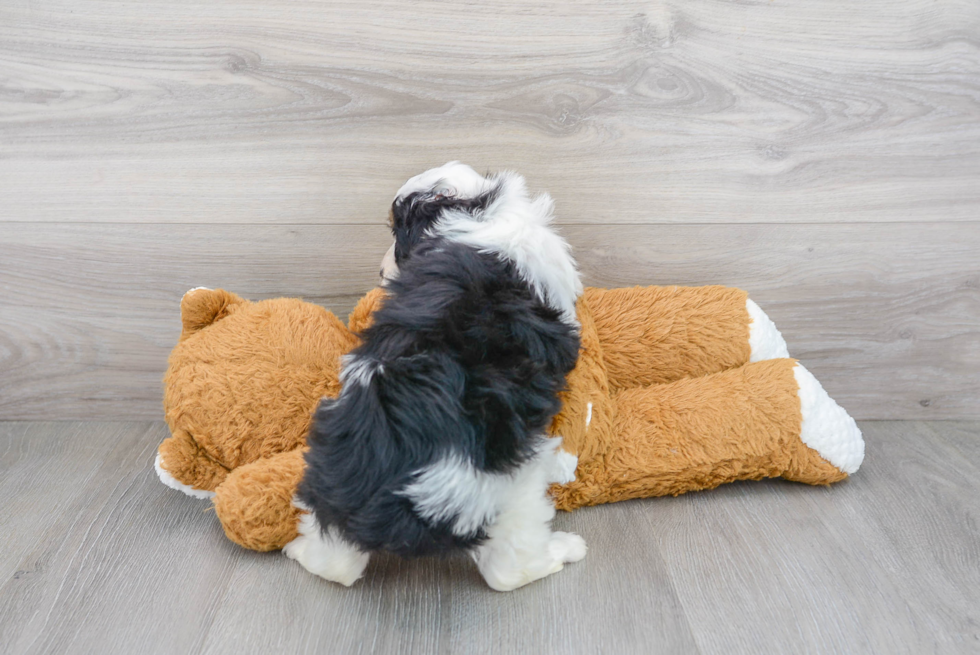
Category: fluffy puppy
<point>437,439</point>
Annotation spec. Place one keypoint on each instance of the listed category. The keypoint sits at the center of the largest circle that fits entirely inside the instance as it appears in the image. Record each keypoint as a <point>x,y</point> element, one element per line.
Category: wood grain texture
<point>98,556</point>
<point>886,319</point>
<point>808,563</point>
<point>632,111</point>
<point>94,557</point>
<point>824,156</point>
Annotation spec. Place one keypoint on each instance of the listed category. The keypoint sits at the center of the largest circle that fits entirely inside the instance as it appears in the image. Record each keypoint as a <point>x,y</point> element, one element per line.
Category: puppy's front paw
<point>567,547</point>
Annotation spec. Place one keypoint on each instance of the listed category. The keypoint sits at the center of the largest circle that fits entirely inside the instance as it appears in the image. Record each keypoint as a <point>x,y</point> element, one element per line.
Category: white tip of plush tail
<point>827,428</point>
<point>764,339</point>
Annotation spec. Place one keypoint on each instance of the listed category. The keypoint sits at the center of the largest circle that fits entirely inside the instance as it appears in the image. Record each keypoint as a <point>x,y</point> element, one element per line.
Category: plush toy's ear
<point>360,319</point>
<point>201,307</point>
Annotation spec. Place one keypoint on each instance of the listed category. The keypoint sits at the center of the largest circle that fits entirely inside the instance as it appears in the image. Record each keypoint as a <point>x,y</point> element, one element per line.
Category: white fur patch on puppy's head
<point>492,214</point>
<point>449,180</point>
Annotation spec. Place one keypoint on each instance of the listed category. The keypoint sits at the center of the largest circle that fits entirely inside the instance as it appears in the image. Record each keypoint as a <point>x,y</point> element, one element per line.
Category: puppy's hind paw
<point>567,547</point>
<point>326,553</point>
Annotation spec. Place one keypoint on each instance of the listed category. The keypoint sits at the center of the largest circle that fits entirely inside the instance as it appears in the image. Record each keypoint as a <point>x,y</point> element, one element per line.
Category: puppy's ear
<point>444,193</point>
<point>414,214</point>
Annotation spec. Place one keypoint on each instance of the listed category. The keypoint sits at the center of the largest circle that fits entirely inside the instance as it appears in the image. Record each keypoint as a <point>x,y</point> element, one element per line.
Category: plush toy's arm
<point>654,335</point>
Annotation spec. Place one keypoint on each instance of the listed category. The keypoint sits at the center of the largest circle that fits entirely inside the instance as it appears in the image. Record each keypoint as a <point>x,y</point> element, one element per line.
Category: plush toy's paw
<point>764,339</point>
<point>183,465</point>
<point>326,553</point>
<point>827,428</point>
<point>567,547</point>
<point>174,483</point>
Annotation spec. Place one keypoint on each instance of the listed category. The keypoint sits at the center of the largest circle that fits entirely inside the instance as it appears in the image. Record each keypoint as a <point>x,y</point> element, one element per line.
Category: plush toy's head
<point>244,380</point>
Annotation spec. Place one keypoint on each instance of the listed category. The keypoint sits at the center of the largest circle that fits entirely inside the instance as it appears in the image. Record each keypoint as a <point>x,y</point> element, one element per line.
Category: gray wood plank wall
<point>823,156</point>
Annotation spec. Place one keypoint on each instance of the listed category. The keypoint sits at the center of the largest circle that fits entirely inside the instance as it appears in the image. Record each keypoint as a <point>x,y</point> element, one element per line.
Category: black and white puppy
<point>437,439</point>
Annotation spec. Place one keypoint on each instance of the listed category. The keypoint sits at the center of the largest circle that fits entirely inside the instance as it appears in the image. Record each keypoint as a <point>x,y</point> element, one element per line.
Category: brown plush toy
<point>676,389</point>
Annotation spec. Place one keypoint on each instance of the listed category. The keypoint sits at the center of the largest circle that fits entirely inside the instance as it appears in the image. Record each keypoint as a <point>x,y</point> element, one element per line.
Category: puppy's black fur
<point>417,212</point>
<point>465,359</point>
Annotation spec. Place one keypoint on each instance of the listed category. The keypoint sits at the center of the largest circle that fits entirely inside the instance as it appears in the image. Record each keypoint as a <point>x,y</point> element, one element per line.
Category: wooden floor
<point>97,556</point>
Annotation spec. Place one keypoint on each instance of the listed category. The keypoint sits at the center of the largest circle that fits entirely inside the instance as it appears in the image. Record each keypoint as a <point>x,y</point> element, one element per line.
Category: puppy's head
<point>425,198</point>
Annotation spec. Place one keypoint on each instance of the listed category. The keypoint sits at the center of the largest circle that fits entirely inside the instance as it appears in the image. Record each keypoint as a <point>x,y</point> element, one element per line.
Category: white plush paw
<point>827,428</point>
<point>567,547</point>
<point>326,554</point>
<point>765,341</point>
<point>176,484</point>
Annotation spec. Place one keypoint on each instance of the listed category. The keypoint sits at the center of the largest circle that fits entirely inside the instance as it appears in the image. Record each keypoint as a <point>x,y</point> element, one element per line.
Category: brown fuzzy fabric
<point>674,404</point>
<point>255,506</point>
<point>654,335</point>
<point>740,424</point>
<point>202,307</point>
<point>196,468</point>
<point>360,319</point>
<point>244,387</point>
